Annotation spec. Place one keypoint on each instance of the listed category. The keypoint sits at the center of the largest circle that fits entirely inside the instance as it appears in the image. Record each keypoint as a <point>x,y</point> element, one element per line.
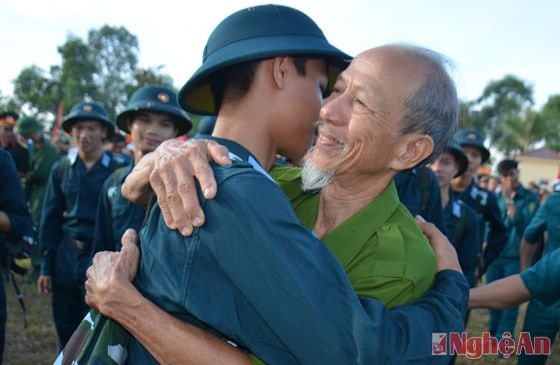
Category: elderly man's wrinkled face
<point>358,130</point>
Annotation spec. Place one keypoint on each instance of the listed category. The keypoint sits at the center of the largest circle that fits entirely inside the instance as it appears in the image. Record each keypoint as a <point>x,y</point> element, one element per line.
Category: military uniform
<point>68,219</point>
<point>67,226</point>
<point>12,202</point>
<point>507,263</point>
<point>419,191</point>
<point>492,229</point>
<point>115,213</point>
<point>462,227</point>
<point>485,205</point>
<point>543,313</point>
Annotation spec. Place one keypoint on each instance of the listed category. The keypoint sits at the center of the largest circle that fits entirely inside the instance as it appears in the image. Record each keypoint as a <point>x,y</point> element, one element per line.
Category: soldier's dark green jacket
<point>40,163</point>
<point>542,317</point>
<point>546,219</point>
<point>542,278</point>
<point>526,204</point>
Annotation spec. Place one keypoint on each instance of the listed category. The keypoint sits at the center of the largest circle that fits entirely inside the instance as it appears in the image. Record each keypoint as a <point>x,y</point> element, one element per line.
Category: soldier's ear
<point>411,149</point>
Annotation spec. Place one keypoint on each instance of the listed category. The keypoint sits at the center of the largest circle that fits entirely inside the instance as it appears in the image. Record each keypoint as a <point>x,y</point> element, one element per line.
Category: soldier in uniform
<point>68,217</point>
<point>517,207</point>
<point>543,316</point>
<point>539,281</point>
<point>42,157</point>
<point>481,200</point>
<point>418,190</point>
<point>15,223</point>
<point>461,220</point>
<point>9,142</point>
<point>151,117</point>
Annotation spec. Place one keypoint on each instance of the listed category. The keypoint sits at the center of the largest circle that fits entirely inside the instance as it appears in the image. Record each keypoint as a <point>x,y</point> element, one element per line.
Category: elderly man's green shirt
<point>381,248</point>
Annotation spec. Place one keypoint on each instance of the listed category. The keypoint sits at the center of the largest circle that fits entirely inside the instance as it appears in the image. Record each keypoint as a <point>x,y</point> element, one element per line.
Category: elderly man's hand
<point>137,187</point>
<point>172,170</point>
<point>446,255</point>
<point>111,275</point>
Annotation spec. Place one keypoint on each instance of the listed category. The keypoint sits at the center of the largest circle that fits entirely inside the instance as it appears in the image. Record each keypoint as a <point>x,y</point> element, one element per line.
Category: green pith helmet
<point>89,111</point>
<point>28,125</point>
<point>472,138</point>
<point>455,149</point>
<point>257,33</point>
<point>158,99</point>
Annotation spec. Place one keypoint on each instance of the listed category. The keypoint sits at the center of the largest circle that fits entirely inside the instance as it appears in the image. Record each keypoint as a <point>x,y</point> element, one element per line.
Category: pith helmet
<point>252,34</point>
<point>472,138</point>
<point>28,125</point>
<point>91,111</point>
<point>155,99</point>
<point>463,162</point>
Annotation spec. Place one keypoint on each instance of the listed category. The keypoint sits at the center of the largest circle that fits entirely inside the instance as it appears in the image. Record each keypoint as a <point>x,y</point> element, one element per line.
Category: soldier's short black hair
<point>505,166</point>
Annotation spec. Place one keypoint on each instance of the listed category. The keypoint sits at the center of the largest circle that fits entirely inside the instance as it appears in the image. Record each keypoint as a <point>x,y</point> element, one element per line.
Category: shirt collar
<point>239,153</point>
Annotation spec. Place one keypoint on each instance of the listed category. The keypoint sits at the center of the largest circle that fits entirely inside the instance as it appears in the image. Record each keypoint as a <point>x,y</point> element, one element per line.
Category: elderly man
<point>275,288</point>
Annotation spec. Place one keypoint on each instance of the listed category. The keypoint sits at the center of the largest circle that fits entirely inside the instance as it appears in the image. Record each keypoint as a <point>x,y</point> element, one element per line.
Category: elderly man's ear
<point>411,150</point>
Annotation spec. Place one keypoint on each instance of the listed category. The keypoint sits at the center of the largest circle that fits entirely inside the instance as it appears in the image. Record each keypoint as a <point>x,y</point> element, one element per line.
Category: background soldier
<point>68,217</point>
<point>151,117</point>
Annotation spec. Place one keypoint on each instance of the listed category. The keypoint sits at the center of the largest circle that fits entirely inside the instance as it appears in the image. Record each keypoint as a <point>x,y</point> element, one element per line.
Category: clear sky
<point>486,39</point>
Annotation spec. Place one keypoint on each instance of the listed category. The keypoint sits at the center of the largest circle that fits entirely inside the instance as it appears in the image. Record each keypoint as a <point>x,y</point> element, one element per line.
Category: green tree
<point>32,88</point>
<point>8,103</point>
<point>114,51</point>
<point>550,114</point>
<point>76,74</point>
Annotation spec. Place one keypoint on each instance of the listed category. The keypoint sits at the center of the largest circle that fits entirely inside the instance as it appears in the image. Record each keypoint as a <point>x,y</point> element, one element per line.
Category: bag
<point>97,340</point>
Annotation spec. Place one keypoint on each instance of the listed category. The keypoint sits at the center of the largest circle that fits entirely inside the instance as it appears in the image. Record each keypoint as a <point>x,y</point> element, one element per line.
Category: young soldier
<point>460,219</point>
<point>481,200</point>
<point>151,117</point>
<point>517,205</point>
<point>68,216</point>
<point>42,157</point>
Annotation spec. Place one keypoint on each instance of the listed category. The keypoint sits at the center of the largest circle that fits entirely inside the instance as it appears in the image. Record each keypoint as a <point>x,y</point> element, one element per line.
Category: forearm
<point>168,339</point>
<point>500,294</point>
<point>526,251</point>
<point>136,186</point>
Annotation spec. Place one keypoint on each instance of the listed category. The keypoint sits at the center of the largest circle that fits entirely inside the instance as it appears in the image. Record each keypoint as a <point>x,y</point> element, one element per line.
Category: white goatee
<point>313,178</point>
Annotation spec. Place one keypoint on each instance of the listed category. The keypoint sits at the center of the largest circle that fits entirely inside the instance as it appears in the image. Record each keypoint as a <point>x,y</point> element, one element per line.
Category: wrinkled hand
<point>173,181</point>
<point>446,255</point>
<point>136,187</point>
<point>111,274</point>
<point>44,284</point>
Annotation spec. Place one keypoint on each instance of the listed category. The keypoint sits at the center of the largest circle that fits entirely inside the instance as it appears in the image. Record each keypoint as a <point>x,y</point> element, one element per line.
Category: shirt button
<point>386,227</point>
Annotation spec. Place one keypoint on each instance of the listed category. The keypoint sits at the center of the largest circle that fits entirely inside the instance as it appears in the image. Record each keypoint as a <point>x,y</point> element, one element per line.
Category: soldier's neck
<point>90,158</point>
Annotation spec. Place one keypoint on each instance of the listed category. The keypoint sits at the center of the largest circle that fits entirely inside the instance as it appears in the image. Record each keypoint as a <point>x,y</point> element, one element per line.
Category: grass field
<point>37,344</point>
